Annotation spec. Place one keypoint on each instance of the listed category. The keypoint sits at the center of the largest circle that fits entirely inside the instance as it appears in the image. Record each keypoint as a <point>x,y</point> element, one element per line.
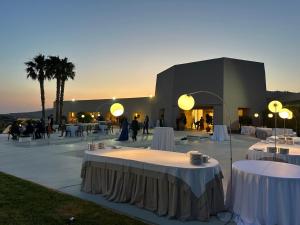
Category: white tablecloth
<point>263,132</point>
<point>282,131</point>
<point>265,193</point>
<point>72,129</point>
<point>248,130</point>
<point>220,133</point>
<point>293,157</point>
<point>173,163</point>
<point>163,138</point>
<point>295,139</point>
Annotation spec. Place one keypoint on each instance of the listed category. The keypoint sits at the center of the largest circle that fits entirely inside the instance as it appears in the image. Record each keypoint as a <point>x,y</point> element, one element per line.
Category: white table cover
<point>163,138</point>
<point>72,129</point>
<point>220,133</point>
<point>265,193</point>
<point>293,157</point>
<point>248,130</point>
<point>173,163</point>
<point>295,139</point>
<point>263,132</point>
<point>282,131</point>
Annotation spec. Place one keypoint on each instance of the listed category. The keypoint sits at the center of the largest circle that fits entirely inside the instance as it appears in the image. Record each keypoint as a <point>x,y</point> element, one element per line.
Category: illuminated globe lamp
<point>275,107</point>
<point>290,115</point>
<point>82,116</point>
<point>186,102</point>
<point>256,115</point>
<point>117,109</point>
<point>284,114</point>
<point>270,115</point>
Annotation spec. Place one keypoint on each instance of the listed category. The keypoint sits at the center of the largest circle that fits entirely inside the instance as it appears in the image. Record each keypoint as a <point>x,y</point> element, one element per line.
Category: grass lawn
<point>25,203</point>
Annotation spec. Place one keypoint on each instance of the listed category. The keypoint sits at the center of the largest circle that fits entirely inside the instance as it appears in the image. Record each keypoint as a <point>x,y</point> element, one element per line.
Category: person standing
<point>201,123</point>
<point>146,125</point>
<point>134,128</point>
<point>124,131</point>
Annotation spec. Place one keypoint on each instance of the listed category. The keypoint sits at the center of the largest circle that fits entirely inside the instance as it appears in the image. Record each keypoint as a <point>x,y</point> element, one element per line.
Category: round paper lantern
<point>290,115</point>
<point>117,109</point>
<point>186,102</point>
<point>275,106</point>
<point>284,113</point>
<point>270,115</point>
<point>256,115</point>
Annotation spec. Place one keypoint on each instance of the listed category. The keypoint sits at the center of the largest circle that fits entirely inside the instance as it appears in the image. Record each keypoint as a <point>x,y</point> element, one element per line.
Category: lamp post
<point>284,114</point>
<point>275,107</point>
<point>187,102</point>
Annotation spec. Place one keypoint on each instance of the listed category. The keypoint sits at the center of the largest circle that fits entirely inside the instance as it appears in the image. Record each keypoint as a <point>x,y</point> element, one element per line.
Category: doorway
<point>194,116</point>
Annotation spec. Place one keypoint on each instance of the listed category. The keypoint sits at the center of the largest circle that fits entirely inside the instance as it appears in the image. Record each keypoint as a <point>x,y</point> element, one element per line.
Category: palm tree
<point>54,70</point>
<point>36,70</point>
<point>68,73</point>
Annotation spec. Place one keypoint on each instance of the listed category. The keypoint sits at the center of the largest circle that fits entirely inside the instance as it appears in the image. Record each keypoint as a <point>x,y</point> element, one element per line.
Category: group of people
<point>134,127</point>
<point>31,128</point>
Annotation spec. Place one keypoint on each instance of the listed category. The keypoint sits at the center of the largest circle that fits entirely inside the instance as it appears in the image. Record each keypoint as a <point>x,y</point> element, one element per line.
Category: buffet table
<point>258,151</point>
<point>163,138</point>
<point>220,133</point>
<point>264,192</point>
<point>161,181</point>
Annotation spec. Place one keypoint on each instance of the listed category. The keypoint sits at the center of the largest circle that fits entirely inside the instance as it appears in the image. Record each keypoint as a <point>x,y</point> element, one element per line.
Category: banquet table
<point>264,192</point>
<point>248,130</point>
<point>160,181</point>
<point>296,140</point>
<point>263,132</point>
<point>163,139</point>
<point>258,151</point>
<point>220,133</point>
<point>72,129</point>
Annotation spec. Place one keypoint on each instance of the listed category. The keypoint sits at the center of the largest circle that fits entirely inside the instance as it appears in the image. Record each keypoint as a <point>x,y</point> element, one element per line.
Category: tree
<point>36,70</point>
<point>54,70</point>
<point>68,73</point>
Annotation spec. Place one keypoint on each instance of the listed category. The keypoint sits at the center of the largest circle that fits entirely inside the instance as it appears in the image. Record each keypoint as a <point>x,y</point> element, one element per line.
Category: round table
<point>248,130</point>
<point>72,129</point>
<point>220,133</point>
<point>258,151</point>
<point>264,192</point>
<point>163,138</point>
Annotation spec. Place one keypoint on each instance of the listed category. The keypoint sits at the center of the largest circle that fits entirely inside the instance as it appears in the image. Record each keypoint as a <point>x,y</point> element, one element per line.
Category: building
<point>240,83</point>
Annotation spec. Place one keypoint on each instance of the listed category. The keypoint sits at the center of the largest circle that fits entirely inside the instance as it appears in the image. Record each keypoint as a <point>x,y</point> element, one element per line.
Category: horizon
<point>119,47</point>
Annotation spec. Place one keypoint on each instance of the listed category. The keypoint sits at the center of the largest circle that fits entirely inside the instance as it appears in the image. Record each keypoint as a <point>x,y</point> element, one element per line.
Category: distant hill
<point>31,115</point>
<point>284,96</point>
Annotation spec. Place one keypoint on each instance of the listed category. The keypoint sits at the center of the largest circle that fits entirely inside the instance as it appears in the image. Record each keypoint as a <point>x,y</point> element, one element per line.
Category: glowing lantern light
<point>270,115</point>
<point>275,106</point>
<point>117,109</point>
<point>186,102</point>
<point>256,115</point>
<point>82,116</point>
<point>284,113</point>
<point>290,115</point>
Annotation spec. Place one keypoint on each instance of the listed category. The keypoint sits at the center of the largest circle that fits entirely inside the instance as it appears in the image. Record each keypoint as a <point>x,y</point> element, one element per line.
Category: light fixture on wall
<point>117,109</point>
<point>256,115</point>
<point>275,107</point>
<point>82,116</point>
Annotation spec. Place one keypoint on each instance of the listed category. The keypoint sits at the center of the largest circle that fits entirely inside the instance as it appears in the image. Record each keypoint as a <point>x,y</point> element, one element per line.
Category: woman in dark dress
<point>124,132</point>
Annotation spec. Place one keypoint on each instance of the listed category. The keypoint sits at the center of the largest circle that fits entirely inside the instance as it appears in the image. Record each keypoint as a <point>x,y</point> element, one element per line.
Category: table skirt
<point>158,192</point>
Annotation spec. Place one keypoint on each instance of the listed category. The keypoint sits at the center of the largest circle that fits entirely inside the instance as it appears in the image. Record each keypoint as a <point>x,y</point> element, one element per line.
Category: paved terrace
<point>56,163</point>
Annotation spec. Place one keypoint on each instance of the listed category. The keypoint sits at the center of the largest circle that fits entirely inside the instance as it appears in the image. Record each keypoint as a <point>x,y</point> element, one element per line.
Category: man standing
<point>146,124</point>
<point>134,128</point>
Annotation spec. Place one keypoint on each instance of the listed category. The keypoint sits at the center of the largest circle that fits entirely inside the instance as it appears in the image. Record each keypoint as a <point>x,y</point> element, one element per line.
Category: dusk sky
<point>118,47</point>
